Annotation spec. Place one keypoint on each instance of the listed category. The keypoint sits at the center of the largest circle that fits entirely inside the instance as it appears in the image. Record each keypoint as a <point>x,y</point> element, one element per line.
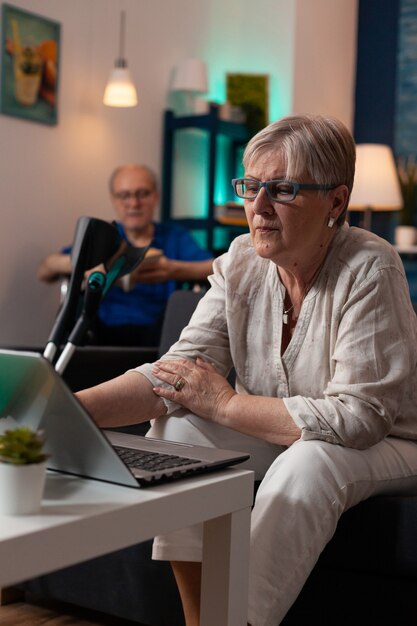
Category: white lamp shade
<point>376,185</point>
<point>190,75</point>
<point>120,90</point>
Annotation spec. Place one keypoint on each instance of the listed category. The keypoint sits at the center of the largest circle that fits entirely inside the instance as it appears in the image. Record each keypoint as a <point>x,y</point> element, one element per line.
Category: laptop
<point>33,394</point>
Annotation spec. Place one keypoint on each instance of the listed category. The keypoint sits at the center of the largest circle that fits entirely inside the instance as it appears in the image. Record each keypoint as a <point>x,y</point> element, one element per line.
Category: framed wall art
<point>250,93</point>
<point>29,65</point>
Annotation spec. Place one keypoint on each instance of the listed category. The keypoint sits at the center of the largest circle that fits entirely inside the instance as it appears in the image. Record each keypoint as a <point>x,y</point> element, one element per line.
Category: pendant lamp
<point>120,90</point>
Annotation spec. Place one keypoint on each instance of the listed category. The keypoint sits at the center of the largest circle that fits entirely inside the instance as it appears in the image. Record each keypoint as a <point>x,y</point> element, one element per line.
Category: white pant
<point>305,490</point>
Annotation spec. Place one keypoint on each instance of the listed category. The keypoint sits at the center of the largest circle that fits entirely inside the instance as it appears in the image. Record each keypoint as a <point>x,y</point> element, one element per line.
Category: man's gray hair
<point>133,166</point>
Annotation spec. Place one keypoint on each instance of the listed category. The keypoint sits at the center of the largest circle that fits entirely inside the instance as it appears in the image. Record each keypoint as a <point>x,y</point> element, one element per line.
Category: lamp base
<point>367,219</point>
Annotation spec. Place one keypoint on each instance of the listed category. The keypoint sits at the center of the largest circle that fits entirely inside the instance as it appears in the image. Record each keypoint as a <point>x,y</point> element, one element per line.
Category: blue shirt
<point>145,303</point>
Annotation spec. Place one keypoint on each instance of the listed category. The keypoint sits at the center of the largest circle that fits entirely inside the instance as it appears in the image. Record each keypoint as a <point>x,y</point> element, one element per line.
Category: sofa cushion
<point>377,536</point>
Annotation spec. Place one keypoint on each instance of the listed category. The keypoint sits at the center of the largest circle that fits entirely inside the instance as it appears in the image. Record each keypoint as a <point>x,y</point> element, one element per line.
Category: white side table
<point>81,519</point>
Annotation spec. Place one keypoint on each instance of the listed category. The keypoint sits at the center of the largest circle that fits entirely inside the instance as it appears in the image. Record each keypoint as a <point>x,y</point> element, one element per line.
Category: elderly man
<point>131,314</point>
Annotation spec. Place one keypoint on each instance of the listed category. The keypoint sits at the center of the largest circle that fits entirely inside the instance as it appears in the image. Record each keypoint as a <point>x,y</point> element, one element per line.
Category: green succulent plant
<point>21,446</point>
<point>407,174</point>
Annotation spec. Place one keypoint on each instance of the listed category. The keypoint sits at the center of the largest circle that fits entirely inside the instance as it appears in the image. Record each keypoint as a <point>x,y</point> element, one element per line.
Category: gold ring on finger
<point>179,384</point>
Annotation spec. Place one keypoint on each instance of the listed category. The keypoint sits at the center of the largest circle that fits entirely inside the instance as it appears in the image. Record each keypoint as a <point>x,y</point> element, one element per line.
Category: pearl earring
<point>331,222</point>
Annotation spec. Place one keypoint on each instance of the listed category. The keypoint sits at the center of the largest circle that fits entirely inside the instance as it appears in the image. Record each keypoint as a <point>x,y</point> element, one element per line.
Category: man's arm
<point>127,399</point>
<point>162,269</point>
<point>53,266</point>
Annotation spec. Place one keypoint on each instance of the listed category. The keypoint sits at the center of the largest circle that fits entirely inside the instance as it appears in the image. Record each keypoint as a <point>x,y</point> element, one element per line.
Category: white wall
<point>325,58</point>
<point>52,175</point>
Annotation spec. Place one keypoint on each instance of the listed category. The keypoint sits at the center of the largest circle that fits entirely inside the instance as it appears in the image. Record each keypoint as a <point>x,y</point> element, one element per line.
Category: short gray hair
<point>320,148</point>
<point>133,166</point>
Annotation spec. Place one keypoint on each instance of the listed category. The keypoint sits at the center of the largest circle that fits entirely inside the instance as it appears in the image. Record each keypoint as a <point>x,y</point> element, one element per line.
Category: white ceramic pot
<point>21,488</point>
<point>405,235</point>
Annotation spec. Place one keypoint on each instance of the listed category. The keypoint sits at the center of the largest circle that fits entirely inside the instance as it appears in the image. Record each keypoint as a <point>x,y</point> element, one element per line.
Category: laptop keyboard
<point>151,461</point>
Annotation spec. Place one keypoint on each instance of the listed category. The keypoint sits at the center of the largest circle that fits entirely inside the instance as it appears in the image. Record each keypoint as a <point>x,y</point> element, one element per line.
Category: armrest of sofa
<point>91,365</point>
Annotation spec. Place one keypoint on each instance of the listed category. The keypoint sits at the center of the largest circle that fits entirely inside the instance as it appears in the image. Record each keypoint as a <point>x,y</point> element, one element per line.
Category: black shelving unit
<point>214,126</point>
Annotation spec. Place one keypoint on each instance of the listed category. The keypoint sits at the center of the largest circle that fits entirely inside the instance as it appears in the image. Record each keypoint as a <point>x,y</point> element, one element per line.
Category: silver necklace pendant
<point>285,317</point>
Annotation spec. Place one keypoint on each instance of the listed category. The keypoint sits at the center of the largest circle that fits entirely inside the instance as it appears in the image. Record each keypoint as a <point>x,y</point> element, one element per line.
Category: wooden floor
<point>36,612</point>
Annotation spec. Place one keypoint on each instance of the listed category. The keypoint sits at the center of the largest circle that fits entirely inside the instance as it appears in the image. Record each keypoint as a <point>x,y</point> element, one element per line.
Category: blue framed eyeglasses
<point>277,190</point>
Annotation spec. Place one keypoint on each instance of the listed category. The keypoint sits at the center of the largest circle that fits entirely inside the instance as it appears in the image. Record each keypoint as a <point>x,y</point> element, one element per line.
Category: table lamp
<point>190,77</point>
<point>376,186</point>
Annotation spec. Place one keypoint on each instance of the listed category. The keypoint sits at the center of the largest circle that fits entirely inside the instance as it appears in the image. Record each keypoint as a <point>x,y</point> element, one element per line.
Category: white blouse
<point>349,374</point>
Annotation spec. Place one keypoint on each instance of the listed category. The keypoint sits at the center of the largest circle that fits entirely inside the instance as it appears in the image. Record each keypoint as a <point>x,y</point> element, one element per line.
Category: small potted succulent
<point>22,471</point>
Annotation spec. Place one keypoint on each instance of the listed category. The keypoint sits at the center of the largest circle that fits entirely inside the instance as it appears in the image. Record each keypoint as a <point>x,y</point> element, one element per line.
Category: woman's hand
<point>204,392</point>
<point>195,385</point>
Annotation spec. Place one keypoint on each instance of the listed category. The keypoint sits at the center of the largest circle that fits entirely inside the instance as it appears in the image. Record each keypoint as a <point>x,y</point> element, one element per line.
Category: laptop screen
<point>32,394</point>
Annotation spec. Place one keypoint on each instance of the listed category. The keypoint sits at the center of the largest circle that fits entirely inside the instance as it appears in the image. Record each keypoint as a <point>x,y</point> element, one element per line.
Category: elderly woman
<point>315,317</point>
